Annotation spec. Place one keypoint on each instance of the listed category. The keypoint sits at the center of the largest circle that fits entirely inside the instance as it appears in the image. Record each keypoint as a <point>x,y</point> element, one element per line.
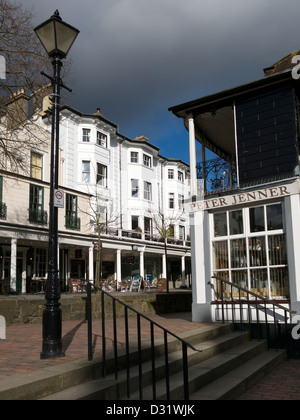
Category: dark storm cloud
<point>136,58</point>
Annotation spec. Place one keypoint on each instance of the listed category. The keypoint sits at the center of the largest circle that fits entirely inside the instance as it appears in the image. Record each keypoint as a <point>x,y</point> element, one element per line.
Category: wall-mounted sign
<point>279,191</point>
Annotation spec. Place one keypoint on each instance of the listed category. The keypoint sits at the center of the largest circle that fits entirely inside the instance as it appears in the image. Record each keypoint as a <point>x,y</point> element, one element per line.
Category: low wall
<point>29,309</point>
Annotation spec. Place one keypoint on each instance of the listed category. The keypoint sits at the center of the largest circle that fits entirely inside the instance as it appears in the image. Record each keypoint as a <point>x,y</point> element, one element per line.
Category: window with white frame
<point>147,161</point>
<point>171,200</point>
<point>181,232</point>
<point>101,139</point>
<point>86,135</point>
<point>249,249</point>
<point>180,176</point>
<point>102,175</point>
<point>134,157</point>
<point>86,171</point>
<point>180,201</point>
<point>147,191</point>
<point>170,173</point>
<point>135,188</point>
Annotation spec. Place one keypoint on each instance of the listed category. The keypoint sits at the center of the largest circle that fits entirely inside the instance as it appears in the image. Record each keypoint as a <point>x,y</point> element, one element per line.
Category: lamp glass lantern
<point>56,36</point>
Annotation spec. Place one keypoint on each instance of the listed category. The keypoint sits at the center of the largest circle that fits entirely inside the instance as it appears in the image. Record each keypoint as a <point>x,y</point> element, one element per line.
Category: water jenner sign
<point>244,197</point>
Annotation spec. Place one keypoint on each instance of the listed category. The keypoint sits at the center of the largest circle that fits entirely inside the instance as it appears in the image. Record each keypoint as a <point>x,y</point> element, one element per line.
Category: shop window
<point>236,222</point>
<point>257,219</point>
<point>221,255</point>
<point>257,262</point>
<point>274,217</point>
<point>257,251</point>
<point>238,253</point>
<point>277,250</point>
<point>220,224</point>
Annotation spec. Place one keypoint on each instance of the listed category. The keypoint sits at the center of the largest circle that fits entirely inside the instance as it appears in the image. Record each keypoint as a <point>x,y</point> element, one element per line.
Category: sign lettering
<point>243,198</point>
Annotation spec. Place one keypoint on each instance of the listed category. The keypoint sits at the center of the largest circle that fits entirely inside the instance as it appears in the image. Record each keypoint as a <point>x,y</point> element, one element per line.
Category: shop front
<point>250,239</point>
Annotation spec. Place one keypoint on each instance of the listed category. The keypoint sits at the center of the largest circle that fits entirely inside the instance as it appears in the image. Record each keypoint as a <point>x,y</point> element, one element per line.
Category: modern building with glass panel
<point>245,226</point>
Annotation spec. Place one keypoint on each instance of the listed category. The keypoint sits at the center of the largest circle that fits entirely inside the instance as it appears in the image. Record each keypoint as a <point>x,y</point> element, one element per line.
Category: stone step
<point>238,380</point>
<point>205,372</point>
<point>40,383</point>
<point>108,388</point>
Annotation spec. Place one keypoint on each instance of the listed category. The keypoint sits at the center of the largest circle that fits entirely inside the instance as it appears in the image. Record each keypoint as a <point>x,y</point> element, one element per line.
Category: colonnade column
<point>183,271</point>
<point>13,265</point>
<point>142,264</point>
<point>91,264</point>
<point>164,266</point>
<point>192,146</point>
<point>119,266</point>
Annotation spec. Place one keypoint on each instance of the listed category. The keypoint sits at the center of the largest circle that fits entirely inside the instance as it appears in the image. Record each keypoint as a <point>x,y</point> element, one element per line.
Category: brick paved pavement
<point>283,383</point>
<point>20,352</point>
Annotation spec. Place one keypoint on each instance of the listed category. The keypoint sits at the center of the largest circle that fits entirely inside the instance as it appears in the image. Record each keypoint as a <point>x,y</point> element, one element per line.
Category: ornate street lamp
<point>57,37</point>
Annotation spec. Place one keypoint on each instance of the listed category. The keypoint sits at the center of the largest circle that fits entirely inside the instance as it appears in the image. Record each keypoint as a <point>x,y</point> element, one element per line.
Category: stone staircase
<point>227,366</point>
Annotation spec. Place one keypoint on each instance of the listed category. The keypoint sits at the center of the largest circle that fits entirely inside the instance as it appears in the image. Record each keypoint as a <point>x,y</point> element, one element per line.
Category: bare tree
<point>21,84</point>
<point>165,228</point>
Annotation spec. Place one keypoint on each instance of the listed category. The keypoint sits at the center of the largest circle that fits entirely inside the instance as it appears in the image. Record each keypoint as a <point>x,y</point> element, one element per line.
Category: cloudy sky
<point>136,58</point>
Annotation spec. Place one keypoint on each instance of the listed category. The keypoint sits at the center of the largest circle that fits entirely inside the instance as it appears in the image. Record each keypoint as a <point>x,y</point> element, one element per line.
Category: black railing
<point>166,333</point>
<point>3,210</point>
<point>243,307</point>
<point>72,222</point>
<point>38,216</point>
<point>218,175</point>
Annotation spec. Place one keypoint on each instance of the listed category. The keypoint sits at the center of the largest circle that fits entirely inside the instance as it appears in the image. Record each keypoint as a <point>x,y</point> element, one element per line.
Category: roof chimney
<point>17,109</point>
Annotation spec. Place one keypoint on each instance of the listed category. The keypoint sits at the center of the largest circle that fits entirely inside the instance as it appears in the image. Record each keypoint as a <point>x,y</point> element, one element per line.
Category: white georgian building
<point>126,180</point>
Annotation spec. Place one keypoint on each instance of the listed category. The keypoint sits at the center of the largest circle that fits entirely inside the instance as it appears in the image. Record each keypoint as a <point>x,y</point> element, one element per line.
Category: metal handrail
<point>255,295</point>
<point>257,301</point>
<point>185,346</point>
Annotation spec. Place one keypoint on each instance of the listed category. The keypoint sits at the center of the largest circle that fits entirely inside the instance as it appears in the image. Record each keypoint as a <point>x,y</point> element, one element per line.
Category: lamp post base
<point>52,343</point>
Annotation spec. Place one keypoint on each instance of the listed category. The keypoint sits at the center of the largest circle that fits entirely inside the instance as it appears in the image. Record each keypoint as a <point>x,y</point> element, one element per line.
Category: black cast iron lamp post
<point>57,37</point>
